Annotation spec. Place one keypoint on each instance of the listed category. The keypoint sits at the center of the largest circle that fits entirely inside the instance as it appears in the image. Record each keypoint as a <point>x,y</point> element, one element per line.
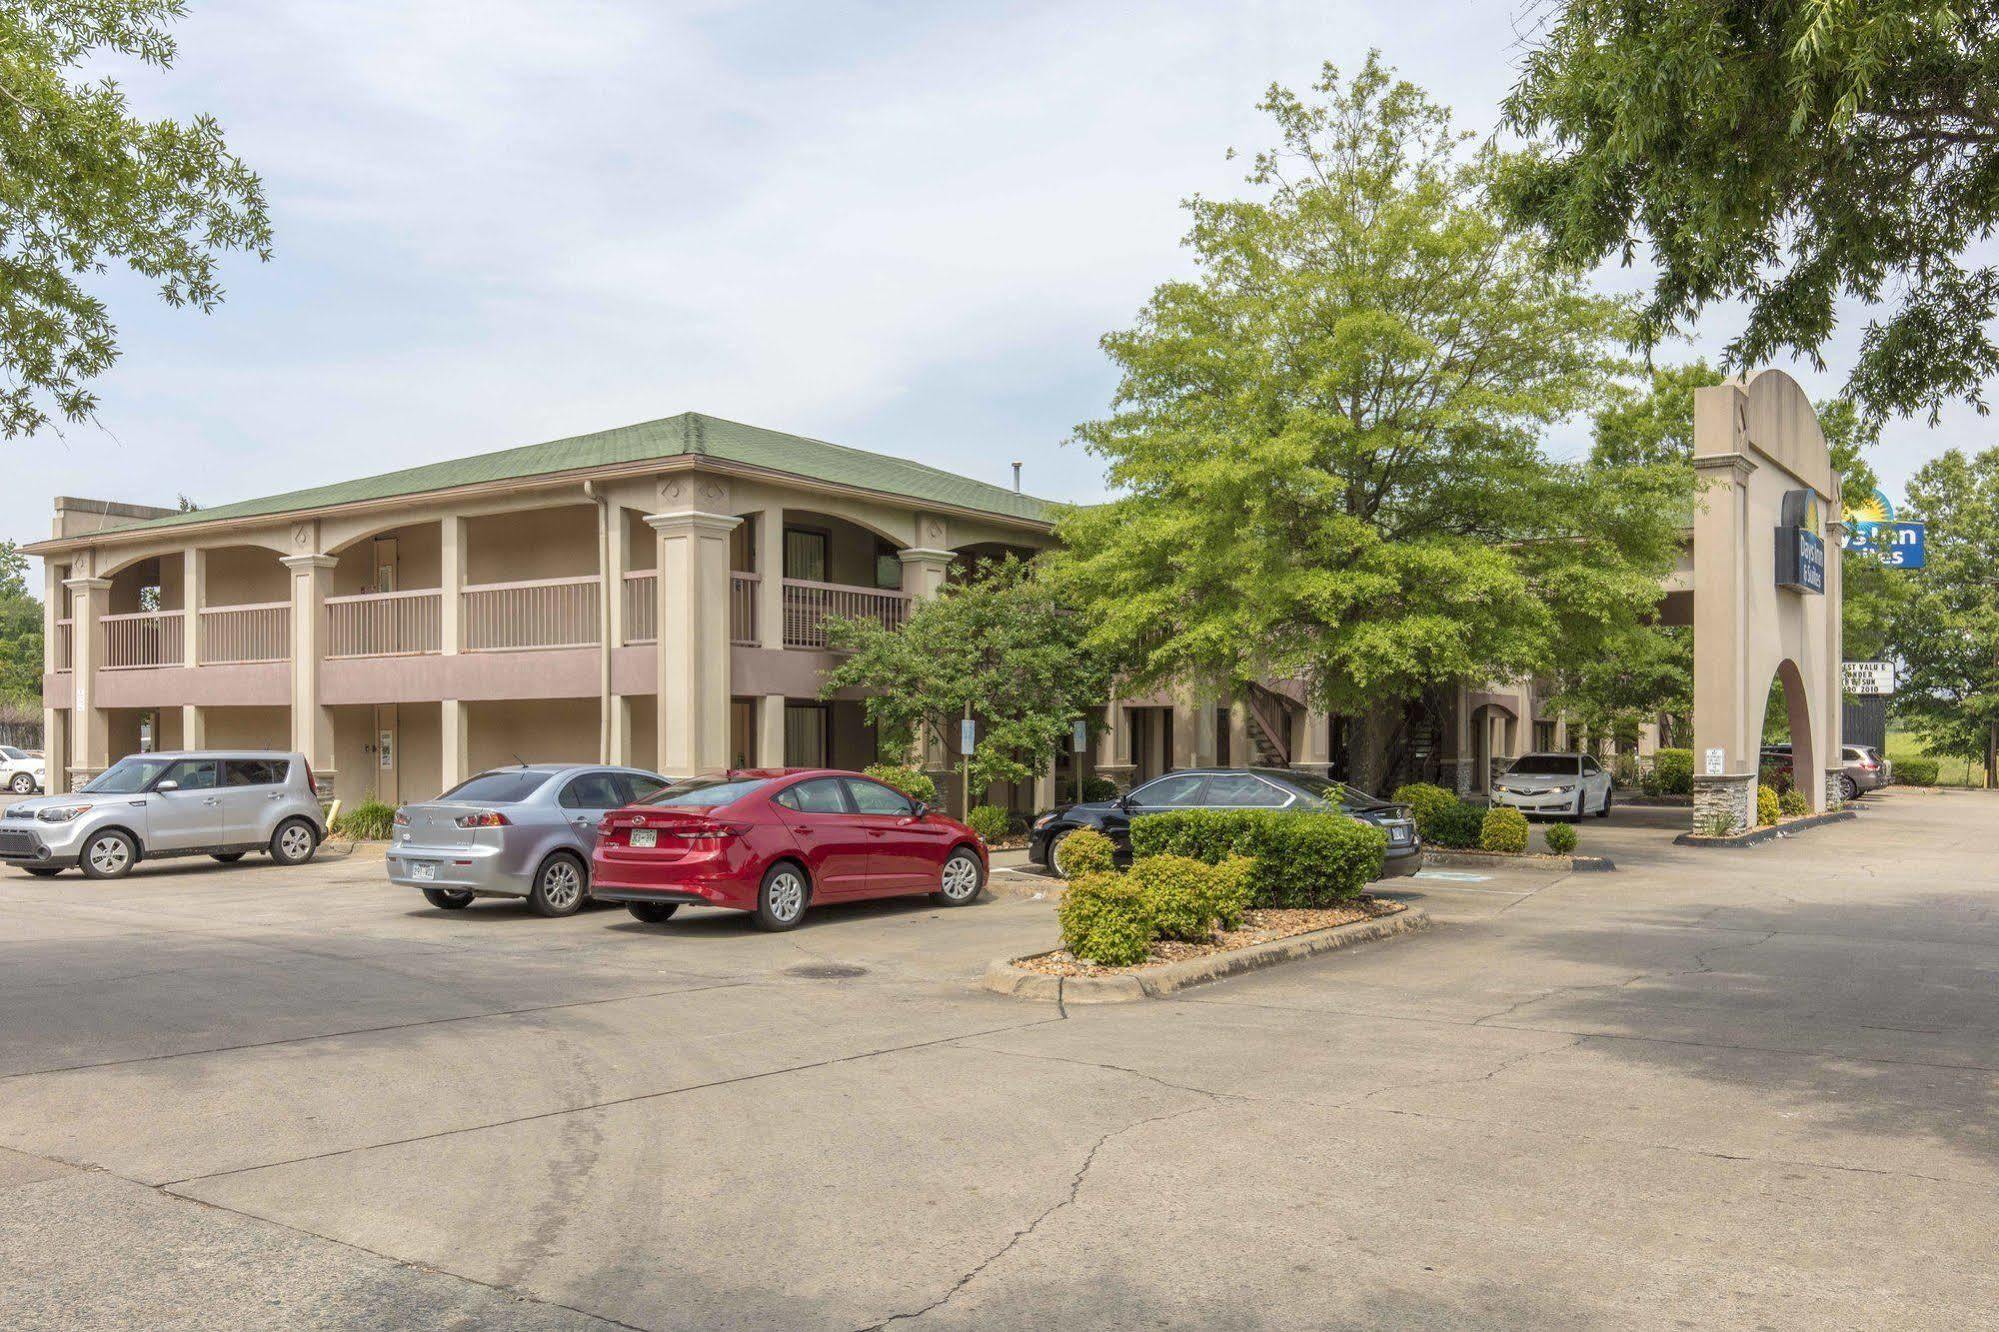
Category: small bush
<point>1672,773</point>
<point>1718,824</point>
<point>1099,788</point>
<point>915,784</point>
<point>1177,896</point>
<point>1793,803</point>
<point>1777,779</point>
<point>368,821</point>
<point>1104,919</point>
<point>1457,826</point>
<point>1624,769</point>
<point>990,822</point>
<point>1504,829</point>
<point>1425,802</point>
<point>1767,807</point>
<point>1302,860</point>
<point>1084,851</point>
<point>1561,839</point>
<point>1917,771</point>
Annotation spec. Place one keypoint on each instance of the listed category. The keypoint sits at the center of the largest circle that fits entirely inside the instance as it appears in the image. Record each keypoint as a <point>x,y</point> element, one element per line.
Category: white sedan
<point>22,772</point>
<point>1570,784</point>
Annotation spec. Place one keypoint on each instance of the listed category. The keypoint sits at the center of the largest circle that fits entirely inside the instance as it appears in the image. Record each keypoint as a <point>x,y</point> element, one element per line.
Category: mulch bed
<point>1257,927</point>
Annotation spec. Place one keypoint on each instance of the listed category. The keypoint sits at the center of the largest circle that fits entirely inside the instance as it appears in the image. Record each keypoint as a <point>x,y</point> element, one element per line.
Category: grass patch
<point>1904,745</point>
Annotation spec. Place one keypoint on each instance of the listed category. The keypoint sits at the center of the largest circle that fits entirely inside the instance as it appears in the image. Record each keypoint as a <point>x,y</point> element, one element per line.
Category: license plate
<point>645,837</point>
<point>422,870</point>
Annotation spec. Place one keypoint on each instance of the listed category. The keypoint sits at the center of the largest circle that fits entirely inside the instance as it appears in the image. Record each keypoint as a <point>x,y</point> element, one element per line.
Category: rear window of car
<point>1550,765</point>
<point>708,792</point>
<point>498,788</point>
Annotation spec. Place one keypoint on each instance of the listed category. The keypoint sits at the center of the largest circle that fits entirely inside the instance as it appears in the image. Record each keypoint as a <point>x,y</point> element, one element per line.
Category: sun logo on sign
<point>1874,509</point>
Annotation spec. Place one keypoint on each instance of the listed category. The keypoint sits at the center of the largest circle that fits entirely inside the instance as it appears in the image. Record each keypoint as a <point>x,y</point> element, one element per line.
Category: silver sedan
<point>523,832</point>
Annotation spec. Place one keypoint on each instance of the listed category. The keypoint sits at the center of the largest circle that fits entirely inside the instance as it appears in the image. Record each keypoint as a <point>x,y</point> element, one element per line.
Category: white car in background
<point>21,772</point>
<point>1561,785</point>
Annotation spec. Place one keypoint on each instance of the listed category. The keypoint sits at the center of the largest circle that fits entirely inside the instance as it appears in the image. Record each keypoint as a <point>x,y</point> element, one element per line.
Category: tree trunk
<point>1372,735</point>
<point>1991,754</point>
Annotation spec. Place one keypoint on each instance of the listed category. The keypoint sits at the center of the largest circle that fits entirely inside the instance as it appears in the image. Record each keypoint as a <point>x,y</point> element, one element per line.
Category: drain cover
<point>826,971</point>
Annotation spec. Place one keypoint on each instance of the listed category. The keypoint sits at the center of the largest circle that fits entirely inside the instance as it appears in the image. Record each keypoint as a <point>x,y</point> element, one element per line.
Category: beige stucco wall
<point>535,543</point>
<point>541,731</point>
<point>245,576</point>
<point>417,563</point>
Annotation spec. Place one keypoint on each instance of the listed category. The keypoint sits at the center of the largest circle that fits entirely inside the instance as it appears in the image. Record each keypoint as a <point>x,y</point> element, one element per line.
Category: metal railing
<point>144,638</point>
<point>230,634</point>
<point>642,606</point>
<point>65,645</point>
<point>545,612</point>
<point>385,624</point>
<point>807,607</point>
<point>743,590</point>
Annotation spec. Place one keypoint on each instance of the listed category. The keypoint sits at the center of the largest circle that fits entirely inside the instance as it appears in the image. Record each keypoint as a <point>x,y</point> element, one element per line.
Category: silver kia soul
<point>219,803</point>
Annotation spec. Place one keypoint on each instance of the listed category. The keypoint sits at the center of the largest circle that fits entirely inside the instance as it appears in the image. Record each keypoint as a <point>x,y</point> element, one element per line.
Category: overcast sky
<point>899,226</point>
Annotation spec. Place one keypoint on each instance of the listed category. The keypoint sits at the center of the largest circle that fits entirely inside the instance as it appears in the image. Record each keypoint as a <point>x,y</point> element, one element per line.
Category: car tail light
<point>705,832</point>
<point>1870,765</point>
<point>401,820</point>
<point>485,818</point>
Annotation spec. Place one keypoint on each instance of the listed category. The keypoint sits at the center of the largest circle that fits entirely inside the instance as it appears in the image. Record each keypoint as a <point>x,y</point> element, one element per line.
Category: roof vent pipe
<point>1016,478</point>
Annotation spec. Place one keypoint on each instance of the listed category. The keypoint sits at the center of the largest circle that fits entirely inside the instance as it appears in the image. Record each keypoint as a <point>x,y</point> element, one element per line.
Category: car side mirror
<point>168,785</point>
<point>921,810</point>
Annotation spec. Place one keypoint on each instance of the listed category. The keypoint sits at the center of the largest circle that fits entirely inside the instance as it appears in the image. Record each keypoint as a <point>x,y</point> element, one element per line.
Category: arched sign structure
<point>1766,585</point>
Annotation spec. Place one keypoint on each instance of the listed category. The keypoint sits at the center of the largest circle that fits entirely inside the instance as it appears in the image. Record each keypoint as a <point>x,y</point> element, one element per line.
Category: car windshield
<point>10,752</point>
<point>127,776</point>
<point>498,788</point>
<point>1547,765</point>
<point>707,792</point>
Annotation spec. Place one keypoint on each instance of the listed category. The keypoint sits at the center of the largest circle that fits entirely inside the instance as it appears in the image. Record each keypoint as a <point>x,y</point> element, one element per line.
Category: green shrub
<point>1718,824</point>
<point>1767,807</point>
<point>1793,803</point>
<point>1917,771</point>
<point>1561,838</point>
<point>1104,919</point>
<point>368,821</point>
<point>1425,802</point>
<point>1084,851</point>
<point>1672,773</point>
<point>1099,788</point>
<point>1778,779</point>
<point>1308,859</point>
<point>1176,893</point>
<point>1504,829</point>
<point>990,822</point>
<point>1230,890</point>
<point>1457,826</point>
<point>1624,769</point>
<point>915,784</point>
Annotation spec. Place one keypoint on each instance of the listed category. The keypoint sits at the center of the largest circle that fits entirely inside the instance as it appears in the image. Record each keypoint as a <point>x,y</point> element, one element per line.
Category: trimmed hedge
<point>1457,827</point>
<point>911,782</point>
<point>1767,806</point>
<point>1425,802</point>
<point>1104,919</point>
<point>1099,788</point>
<point>1189,899</point>
<point>368,821</point>
<point>1503,829</point>
<point>1084,851</point>
<point>990,822</point>
<point>1672,773</point>
<point>1562,839</point>
<point>1917,772</point>
<point>1302,859</point>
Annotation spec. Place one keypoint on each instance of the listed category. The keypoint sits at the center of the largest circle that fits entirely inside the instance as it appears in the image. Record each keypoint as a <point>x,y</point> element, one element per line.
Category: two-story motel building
<point>653,594</point>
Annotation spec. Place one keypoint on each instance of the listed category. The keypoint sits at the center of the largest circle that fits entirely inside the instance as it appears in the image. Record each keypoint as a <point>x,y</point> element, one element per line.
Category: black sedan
<point>1228,788</point>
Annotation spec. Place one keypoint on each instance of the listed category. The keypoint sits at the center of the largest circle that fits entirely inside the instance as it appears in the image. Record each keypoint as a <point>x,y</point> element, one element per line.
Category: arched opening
<point>1788,761</point>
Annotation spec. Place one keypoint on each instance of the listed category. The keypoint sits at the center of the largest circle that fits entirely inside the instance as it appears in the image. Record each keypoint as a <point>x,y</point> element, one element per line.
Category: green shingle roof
<point>688,434</point>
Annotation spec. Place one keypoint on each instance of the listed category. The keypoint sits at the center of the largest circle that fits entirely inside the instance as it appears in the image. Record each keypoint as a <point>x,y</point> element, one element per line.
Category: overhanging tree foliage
<point>1786,153</point>
<point>999,647</point>
<point>20,630</point>
<point>1324,449</point>
<point>84,183</point>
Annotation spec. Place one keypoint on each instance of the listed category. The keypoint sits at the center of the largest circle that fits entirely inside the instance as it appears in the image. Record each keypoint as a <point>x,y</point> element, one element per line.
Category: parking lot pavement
<point>1716,1089</point>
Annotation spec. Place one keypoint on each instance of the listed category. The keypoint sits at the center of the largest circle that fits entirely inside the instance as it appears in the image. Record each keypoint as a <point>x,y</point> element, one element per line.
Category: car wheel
<point>294,843</point>
<point>227,857</point>
<point>1848,788</point>
<point>1604,813</point>
<point>43,871</point>
<point>108,855</point>
<point>23,783</point>
<point>781,900</point>
<point>558,887</point>
<point>960,883</point>
<point>652,913</point>
<point>445,900</point>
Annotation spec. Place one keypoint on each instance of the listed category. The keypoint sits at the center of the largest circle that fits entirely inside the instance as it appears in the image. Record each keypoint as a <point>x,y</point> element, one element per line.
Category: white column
<point>770,572</point>
<point>1240,751</point>
<point>194,728</point>
<point>1193,729</point>
<point>770,731</point>
<point>312,721</point>
<point>453,731</point>
<point>615,725</point>
<point>621,730</point>
<point>925,571</point>
<point>693,723</point>
<point>89,736</point>
<point>451,543</point>
<point>1315,747</point>
<point>193,596</point>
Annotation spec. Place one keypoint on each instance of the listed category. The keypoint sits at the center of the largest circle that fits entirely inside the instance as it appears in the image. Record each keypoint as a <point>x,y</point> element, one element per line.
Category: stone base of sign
<point>1834,797</point>
<point>1757,836</point>
<point>1733,798</point>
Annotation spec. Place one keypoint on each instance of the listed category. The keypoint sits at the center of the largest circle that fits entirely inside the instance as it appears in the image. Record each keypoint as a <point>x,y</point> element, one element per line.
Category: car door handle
<point>212,800</point>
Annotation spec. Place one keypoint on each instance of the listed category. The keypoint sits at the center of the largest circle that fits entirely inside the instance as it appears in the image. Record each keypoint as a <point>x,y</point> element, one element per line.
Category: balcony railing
<point>743,589</point>
<point>807,607</point>
<point>231,634</point>
<point>547,612</point>
<point>65,645</point>
<point>642,606</point>
<point>144,638</point>
<point>385,624</point>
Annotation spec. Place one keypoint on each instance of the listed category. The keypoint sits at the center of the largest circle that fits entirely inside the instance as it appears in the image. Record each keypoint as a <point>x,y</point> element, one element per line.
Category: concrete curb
<point>1003,977</point>
<point>1758,835</point>
<point>1468,859</point>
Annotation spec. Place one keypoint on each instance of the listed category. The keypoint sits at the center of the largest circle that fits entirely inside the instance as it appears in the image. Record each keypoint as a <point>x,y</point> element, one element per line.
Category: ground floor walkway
<point>1715,1089</point>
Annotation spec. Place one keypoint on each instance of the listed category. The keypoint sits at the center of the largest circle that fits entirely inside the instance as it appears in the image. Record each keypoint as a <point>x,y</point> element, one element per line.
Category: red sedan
<point>772,842</point>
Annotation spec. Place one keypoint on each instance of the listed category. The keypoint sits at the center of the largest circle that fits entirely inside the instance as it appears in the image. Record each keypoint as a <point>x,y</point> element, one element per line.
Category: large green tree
<point>998,646</point>
<point>1789,154</point>
<point>1325,447</point>
<point>1945,628</point>
<point>84,184</point>
<point>20,630</point>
